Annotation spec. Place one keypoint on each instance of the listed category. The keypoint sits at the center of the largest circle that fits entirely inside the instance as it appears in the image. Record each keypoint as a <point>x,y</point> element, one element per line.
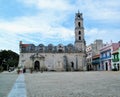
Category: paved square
<point>73,84</point>
<point>6,83</point>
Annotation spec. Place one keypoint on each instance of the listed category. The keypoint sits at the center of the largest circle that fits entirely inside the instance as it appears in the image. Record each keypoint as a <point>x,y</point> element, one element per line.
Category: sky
<point>52,21</point>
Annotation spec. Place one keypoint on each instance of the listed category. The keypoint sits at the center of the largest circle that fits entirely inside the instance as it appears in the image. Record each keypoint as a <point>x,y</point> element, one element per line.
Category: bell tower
<point>79,33</point>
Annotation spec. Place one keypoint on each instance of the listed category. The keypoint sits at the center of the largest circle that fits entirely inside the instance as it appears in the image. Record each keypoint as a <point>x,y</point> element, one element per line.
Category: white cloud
<point>28,24</point>
<point>47,22</point>
<point>51,5</point>
<point>105,34</point>
<point>8,41</point>
<point>99,10</point>
<point>48,27</point>
<point>107,10</point>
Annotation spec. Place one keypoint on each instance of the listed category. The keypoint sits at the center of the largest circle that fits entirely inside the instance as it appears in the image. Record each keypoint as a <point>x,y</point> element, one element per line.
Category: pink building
<point>106,57</point>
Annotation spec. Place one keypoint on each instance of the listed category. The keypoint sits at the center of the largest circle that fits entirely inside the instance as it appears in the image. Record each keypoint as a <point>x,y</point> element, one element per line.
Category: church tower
<point>79,33</point>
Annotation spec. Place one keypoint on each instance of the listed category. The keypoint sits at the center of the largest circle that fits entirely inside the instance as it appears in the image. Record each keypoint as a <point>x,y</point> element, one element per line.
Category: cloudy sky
<point>52,21</point>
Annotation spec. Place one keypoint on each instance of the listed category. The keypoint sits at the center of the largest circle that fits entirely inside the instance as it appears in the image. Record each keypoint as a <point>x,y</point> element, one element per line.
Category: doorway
<point>72,65</point>
<point>118,66</point>
<point>106,64</point>
<point>37,66</point>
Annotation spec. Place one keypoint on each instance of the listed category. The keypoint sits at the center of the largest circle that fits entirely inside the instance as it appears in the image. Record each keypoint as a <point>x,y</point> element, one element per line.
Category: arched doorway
<point>37,66</point>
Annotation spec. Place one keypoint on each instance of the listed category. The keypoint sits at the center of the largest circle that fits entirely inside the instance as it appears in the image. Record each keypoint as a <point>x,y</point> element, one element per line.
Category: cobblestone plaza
<point>65,84</point>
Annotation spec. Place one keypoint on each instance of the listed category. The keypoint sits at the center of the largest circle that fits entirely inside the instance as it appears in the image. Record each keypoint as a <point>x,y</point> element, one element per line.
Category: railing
<point>115,60</point>
<point>96,61</point>
<point>105,57</point>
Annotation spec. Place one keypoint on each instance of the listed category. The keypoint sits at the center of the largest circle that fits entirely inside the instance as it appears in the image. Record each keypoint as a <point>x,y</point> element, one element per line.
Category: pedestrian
<point>24,70</point>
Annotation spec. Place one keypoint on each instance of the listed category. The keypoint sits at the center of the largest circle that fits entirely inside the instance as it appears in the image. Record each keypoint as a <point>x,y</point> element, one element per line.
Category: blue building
<point>96,62</point>
<point>105,57</point>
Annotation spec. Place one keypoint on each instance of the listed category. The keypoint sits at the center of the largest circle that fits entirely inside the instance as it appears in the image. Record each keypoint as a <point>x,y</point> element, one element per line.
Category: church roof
<point>24,45</point>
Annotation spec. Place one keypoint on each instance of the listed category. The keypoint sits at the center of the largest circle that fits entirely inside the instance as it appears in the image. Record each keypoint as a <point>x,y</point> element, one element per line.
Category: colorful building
<point>116,58</point>
<point>91,51</point>
<point>96,62</point>
<point>106,57</point>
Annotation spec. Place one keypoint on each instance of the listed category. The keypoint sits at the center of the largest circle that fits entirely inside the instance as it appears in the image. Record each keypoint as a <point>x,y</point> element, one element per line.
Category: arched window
<point>70,47</point>
<point>50,48</point>
<point>41,47</point>
<point>60,48</point>
<point>79,24</point>
<point>78,15</point>
<point>79,37</point>
<point>79,32</point>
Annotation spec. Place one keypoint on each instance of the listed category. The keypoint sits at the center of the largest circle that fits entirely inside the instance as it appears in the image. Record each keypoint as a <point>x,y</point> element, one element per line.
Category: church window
<point>50,48</point>
<point>41,49</point>
<point>78,16</point>
<point>60,50</point>
<point>79,24</point>
<point>79,32</point>
<point>79,37</point>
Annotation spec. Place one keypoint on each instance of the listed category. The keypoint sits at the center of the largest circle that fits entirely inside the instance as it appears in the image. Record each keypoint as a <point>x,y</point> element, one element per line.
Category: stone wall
<point>57,61</point>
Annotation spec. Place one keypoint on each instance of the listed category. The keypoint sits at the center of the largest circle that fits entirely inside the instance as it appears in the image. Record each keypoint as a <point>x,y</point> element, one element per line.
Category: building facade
<point>96,62</point>
<point>106,56</point>
<point>91,51</point>
<point>56,58</point>
<point>116,57</point>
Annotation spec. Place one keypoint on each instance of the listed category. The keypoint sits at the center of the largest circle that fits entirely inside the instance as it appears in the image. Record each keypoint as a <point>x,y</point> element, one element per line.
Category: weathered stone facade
<point>58,58</point>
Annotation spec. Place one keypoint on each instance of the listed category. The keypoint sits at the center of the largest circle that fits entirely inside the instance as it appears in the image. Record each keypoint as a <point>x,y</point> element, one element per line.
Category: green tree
<point>8,59</point>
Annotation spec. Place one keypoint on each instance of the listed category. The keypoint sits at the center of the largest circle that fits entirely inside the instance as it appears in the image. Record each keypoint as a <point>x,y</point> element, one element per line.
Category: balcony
<point>115,60</point>
<point>96,61</point>
<point>106,57</point>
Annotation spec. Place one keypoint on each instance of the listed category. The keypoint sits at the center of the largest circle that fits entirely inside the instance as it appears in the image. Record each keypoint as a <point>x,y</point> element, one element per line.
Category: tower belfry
<point>79,32</point>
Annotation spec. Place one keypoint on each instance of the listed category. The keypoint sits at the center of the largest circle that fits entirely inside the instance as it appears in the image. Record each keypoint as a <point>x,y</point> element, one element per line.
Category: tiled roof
<point>116,46</point>
<point>113,45</point>
<point>24,45</point>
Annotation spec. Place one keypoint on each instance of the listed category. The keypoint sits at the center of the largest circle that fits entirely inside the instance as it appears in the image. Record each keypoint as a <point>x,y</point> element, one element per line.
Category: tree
<point>8,59</point>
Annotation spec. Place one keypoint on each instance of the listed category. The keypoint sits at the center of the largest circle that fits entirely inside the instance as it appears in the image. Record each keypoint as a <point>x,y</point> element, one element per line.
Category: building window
<point>79,32</point>
<point>106,54</point>
<point>78,16</point>
<point>79,24</point>
<point>110,54</point>
<point>60,48</point>
<point>103,55</point>
<point>79,37</point>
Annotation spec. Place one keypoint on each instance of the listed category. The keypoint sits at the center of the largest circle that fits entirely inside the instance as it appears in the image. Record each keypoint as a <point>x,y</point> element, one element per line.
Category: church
<point>59,57</point>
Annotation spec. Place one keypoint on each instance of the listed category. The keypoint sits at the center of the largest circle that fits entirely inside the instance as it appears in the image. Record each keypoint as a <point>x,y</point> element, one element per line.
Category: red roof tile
<point>24,45</point>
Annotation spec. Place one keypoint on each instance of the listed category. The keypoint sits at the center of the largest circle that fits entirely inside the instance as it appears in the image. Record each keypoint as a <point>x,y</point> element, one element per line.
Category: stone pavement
<point>6,83</point>
<point>19,89</point>
<point>73,84</point>
<point>61,84</point>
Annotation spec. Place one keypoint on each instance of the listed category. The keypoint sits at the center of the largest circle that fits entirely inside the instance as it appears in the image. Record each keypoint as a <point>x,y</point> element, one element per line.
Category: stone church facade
<point>69,57</point>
